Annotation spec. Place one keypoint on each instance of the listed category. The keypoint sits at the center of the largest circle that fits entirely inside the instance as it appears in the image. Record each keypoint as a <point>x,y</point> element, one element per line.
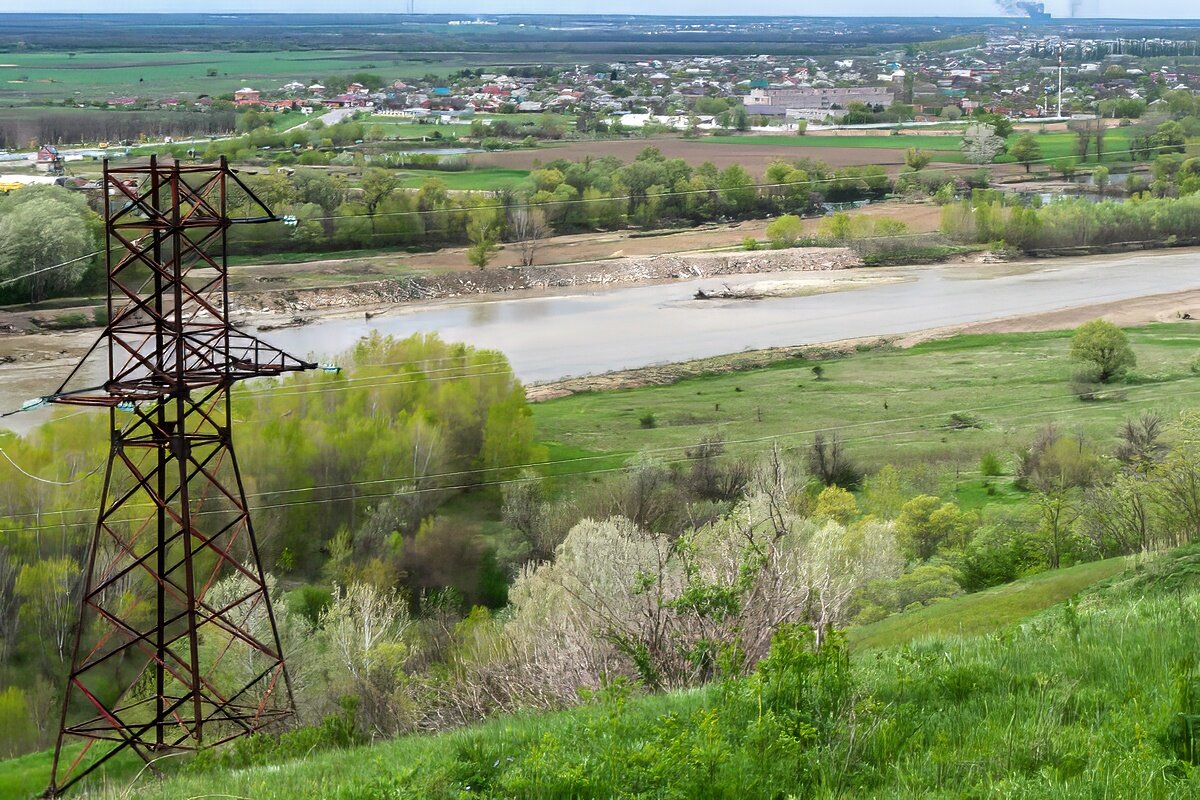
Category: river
<point>585,332</point>
<point>553,337</point>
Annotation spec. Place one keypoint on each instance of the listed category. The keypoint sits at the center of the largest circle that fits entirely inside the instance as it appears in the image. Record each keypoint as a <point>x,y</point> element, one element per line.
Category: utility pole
<point>176,645</point>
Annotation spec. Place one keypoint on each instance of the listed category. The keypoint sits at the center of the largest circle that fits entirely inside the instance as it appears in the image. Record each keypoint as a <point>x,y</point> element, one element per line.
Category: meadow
<point>483,179</point>
<point>888,405</point>
<point>55,76</point>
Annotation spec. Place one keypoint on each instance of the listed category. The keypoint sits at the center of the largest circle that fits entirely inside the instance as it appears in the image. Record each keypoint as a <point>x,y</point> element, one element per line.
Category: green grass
<point>53,76</point>
<point>1077,701</point>
<point>404,129</point>
<point>900,142</point>
<point>29,775</point>
<point>941,148</point>
<point>986,611</point>
<point>1013,383</point>
<point>481,180</point>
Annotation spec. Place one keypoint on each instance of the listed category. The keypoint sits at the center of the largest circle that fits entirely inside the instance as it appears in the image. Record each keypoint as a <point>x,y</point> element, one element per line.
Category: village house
<point>246,97</point>
<point>48,159</point>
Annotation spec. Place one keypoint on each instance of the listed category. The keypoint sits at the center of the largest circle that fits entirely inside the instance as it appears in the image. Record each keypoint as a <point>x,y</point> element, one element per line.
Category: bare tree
<point>528,227</point>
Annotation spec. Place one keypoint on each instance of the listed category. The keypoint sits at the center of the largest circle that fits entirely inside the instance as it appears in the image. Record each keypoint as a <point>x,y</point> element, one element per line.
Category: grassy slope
<point>1012,383</point>
<point>1073,702</point>
<point>984,611</point>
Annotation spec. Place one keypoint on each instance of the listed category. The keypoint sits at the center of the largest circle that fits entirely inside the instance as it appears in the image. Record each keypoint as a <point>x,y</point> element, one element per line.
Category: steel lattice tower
<point>176,645</point>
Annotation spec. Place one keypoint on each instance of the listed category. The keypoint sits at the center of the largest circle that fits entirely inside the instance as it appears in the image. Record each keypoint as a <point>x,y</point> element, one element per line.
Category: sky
<point>957,8</point>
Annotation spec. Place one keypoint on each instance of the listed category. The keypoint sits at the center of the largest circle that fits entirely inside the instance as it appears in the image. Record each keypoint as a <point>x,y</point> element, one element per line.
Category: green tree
<point>1026,150</point>
<point>737,188</point>
<point>47,607</point>
<point>785,231</point>
<point>837,504</point>
<point>1100,178</point>
<point>741,120</point>
<point>925,524</point>
<point>41,227</point>
<point>1104,346</point>
<point>916,159</point>
<point>483,231</point>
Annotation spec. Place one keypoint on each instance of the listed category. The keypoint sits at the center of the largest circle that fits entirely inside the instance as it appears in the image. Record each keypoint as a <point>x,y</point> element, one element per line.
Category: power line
<point>92,254</point>
<point>603,470</point>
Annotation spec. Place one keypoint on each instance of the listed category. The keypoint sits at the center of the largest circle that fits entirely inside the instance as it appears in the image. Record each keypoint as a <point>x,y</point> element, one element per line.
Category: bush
<point>750,243</point>
<point>962,420</point>
<point>990,465</point>
<point>1105,348</point>
<point>647,420</point>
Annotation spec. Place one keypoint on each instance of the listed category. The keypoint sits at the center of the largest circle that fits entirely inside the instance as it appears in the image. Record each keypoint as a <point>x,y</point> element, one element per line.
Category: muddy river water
<point>572,334</point>
<point>553,337</point>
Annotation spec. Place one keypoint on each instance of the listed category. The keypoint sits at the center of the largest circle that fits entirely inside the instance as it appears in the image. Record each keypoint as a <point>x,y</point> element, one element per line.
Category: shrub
<point>647,420</point>
<point>990,465</point>
<point>750,243</point>
<point>1104,347</point>
<point>962,420</point>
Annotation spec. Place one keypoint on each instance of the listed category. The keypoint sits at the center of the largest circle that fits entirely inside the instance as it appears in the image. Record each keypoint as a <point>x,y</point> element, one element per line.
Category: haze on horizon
<point>1153,9</point>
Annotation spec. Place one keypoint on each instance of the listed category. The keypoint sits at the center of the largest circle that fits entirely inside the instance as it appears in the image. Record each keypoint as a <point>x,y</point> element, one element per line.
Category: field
<point>756,152</point>
<point>476,180</point>
<point>931,142</point>
<point>941,148</point>
<point>40,77</point>
<point>1074,697</point>
<point>888,406</point>
<point>754,157</point>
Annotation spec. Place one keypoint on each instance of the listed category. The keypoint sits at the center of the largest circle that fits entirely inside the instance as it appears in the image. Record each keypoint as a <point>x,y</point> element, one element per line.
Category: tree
<point>1104,346</point>
<point>741,120</point>
<point>482,233</point>
<point>528,227</point>
<point>916,159</point>
<point>981,144</point>
<point>378,185</point>
<point>785,231</point>
<point>41,227</point>
<point>737,188</point>
<point>1026,150</point>
<point>926,523</point>
<point>48,604</point>
<point>1100,178</point>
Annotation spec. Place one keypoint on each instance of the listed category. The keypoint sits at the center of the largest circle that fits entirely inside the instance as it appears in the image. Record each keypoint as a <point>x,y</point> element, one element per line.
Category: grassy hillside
<point>1085,699</point>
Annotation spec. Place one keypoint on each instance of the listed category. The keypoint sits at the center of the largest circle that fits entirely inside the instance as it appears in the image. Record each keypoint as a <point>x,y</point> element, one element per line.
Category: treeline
<point>599,194</point>
<point>30,129</point>
<point>988,217</point>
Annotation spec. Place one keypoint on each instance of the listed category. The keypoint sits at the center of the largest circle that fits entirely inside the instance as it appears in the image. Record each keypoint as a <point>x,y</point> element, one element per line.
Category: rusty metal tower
<point>176,646</point>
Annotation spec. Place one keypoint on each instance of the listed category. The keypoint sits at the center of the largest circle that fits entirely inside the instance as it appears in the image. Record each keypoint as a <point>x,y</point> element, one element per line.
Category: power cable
<point>603,470</point>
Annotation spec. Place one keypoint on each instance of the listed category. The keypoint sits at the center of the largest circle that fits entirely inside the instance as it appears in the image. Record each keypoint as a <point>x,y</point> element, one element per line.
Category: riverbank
<point>1166,307</point>
<point>610,272</point>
